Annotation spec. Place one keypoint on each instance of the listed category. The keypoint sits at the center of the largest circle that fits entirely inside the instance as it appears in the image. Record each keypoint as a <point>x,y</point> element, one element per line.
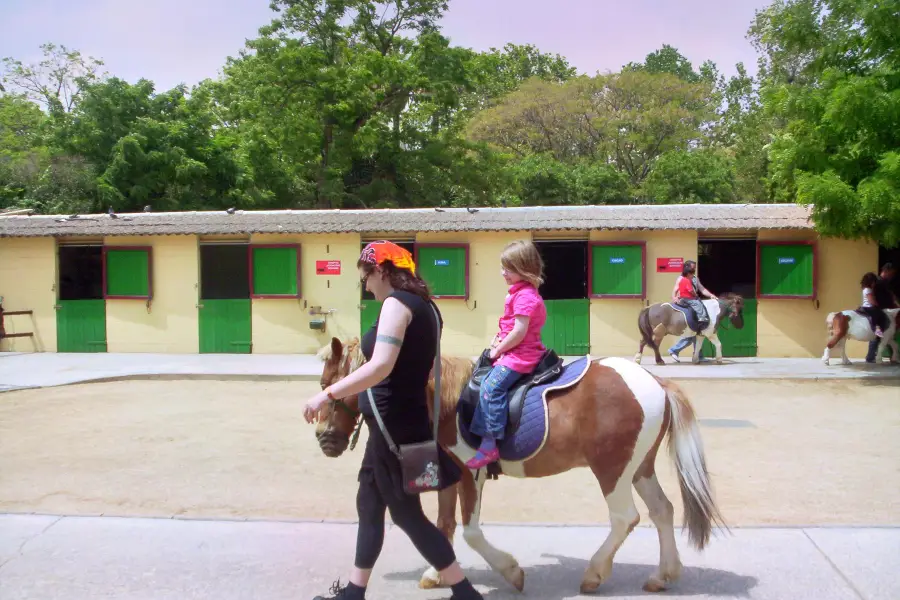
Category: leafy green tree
<point>699,176</point>
<point>626,120</point>
<point>55,83</point>
<point>830,81</point>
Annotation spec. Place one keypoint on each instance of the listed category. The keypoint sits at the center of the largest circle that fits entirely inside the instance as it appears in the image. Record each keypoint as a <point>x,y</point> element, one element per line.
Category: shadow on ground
<point>561,581</point>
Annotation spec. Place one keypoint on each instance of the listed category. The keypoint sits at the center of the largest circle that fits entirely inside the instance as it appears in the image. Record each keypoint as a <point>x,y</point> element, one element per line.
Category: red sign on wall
<point>328,267</point>
<point>669,265</point>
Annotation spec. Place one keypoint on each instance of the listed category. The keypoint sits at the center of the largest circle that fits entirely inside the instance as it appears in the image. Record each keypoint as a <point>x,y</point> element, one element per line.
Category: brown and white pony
<point>661,319</point>
<point>613,421</point>
<point>849,324</point>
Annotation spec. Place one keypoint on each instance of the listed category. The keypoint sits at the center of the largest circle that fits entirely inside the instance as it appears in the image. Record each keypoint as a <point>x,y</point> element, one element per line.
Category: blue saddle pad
<point>532,431</point>
<point>689,316</point>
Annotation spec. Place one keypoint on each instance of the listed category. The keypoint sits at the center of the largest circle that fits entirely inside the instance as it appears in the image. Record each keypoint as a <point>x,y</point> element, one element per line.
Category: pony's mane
<point>352,349</point>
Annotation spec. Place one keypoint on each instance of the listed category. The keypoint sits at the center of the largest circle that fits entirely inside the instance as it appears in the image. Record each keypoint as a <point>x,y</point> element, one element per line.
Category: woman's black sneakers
<point>347,592</point>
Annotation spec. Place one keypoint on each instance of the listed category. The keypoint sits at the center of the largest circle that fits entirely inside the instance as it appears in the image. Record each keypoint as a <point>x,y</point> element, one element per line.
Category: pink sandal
<point>483,459</point>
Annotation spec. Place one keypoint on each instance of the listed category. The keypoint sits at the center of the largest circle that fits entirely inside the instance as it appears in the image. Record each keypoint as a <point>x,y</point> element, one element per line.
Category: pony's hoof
<point>718,361</point>
<point>637,358</point>
<point>589,587</point>
<point>846,362</point>
<point>431,580</point>
<point>516,578</point>
<point>655,585</point>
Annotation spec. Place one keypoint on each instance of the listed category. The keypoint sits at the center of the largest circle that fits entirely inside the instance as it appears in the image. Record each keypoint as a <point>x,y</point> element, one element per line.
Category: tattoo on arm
<point>387,339</point>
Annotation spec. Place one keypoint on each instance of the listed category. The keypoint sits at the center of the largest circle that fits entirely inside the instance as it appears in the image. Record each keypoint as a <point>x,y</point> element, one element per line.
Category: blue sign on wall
<point>616,260</point>
<point>786,260</point>
<point>442,262</point>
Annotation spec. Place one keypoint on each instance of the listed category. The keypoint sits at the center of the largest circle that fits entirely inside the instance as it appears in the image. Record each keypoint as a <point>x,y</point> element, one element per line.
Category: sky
<point>186,41</point>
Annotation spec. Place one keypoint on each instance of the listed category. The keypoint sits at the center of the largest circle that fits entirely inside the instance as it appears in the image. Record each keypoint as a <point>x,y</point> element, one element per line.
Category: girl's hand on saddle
<point>313,405</point>
<point>493,354</point>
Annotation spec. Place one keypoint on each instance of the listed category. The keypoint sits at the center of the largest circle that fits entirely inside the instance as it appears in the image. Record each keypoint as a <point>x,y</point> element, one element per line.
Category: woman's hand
<point>313,405</point>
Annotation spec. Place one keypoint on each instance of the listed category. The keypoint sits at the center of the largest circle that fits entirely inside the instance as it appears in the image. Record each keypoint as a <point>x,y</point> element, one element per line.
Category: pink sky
<point>172,41</point>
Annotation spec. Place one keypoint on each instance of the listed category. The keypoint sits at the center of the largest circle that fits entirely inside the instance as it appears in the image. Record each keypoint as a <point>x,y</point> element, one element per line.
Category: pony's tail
<point>646,329</point>
<point>837,327</point>
<point>686,449</point>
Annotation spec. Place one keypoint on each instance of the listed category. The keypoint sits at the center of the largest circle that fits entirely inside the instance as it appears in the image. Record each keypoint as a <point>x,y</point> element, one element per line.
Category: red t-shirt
<point>686,288</point>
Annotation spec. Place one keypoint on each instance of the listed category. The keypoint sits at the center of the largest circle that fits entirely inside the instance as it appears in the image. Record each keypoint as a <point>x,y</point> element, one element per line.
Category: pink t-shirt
<point>523,299</point>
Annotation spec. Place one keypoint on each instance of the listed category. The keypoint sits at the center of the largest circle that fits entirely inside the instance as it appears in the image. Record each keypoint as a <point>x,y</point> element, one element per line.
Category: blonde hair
<point>522,258</point>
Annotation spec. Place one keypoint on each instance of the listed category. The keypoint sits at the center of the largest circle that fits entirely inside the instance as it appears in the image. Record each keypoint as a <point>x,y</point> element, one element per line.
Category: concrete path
<point>73,558</point>
<point>23,370</point>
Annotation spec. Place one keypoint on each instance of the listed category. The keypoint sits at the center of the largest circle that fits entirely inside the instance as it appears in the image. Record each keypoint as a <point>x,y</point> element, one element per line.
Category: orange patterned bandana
<point>378,252</point>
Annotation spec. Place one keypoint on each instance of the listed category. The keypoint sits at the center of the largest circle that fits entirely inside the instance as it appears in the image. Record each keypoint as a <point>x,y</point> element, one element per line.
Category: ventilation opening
<point>224,272</point>
<point>81,272</point>
<point>565,270</point>
<point>728,266</point>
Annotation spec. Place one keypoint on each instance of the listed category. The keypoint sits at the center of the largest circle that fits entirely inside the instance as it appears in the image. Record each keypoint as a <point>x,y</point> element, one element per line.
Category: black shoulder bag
<point>419,462</point>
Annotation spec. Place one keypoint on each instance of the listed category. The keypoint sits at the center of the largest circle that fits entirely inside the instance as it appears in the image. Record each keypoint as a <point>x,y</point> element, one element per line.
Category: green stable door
<point>81,326</point>
<point>225,326</point>
<point>567,330</point>
<point>565,291</point>
<point>80,308</point>
<point>224,309</point>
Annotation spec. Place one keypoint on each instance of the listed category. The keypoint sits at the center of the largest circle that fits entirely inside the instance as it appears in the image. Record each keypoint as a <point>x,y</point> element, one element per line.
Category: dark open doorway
<point>890,256</point>
<point>81,272</point>
<point>565,270</point>
<point>728,266</point>
<point>224,272</point>
<point>565,293</point>
<point>725,266</point>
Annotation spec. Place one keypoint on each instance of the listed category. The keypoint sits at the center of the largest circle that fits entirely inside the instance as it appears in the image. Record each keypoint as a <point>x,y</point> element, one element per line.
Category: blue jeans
<point>493,405</point>
<point>873,350</point>
<point>684,343</point>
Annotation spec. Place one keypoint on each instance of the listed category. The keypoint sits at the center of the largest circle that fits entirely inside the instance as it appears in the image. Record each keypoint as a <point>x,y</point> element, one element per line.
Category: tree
<point>830,81</point>
<point>55,83</point>
<point>626,120</point>
<point>700,176</point>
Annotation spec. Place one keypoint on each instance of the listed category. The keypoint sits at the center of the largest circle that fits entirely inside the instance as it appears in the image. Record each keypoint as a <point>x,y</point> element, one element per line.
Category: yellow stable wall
<point>796,328</point>
<point>614,329</point>
<point>470,325</point>
<point>282,326</point>
<point>28,282</point>
<point>170,324</point>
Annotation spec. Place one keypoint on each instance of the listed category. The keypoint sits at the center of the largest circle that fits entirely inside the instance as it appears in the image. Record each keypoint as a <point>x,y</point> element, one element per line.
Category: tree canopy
<point>363,103</point>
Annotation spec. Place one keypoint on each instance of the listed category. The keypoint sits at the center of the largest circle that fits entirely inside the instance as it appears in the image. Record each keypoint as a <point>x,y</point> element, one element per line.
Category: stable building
<point>281,282</point>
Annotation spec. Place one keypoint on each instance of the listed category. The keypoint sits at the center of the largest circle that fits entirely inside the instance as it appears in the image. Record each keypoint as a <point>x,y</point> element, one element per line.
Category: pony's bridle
<point>355,414</point>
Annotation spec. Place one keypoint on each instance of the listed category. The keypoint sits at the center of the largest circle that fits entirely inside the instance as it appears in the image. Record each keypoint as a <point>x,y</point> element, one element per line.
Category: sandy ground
<point>817,453</point>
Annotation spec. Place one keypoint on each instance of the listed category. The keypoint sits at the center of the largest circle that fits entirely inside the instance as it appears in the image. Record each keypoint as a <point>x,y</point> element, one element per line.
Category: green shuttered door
<point>275,271</point>
<point>225,305</point>
<point>225,326</point>
<point>128,273</point>
<point>81,326</point>
<point>567,330</point>
<point>444,269</point>
<point>617,271</point>
<point>786,270</point>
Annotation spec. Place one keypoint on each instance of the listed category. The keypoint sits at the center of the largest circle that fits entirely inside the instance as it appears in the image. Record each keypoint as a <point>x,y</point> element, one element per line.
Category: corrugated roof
<point>747,217</point>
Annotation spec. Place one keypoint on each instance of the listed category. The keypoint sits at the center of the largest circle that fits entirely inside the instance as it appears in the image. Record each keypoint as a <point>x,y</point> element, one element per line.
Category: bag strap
<point>436,401</point>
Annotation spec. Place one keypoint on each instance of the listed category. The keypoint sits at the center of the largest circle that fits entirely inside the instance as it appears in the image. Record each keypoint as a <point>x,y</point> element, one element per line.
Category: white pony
<point>855,326</point>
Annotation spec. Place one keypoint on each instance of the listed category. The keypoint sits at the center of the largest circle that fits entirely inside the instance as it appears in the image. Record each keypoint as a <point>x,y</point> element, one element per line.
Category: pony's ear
<point>336,348</point>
